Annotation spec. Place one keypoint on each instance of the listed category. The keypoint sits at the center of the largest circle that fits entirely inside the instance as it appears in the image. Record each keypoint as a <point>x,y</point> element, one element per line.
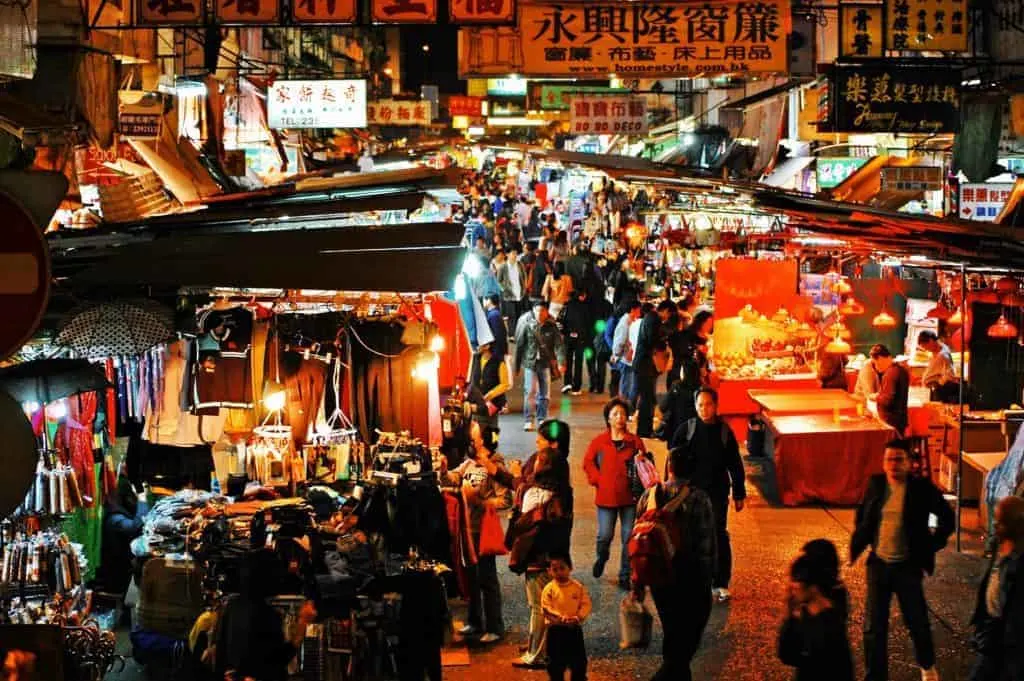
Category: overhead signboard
<point>983,201</point>
<point>139,125</point>
<point>873,99</point>
<point>324,11</point>
<point>927,25</point>
<point>557,97</point>
<point>482,11</point>
<point>472,107</point>
<point>247,11</point>
<point>506,87</point>
<point>861,30</point>
<point>168,12</point>
<point>317,104</point>
<point>394,112</point>
<point>607,115</point>
<point>912,179</point>
<point>24,276</point>
<point>641,40</point>
<point>831,171</point>
<point>403,11</point>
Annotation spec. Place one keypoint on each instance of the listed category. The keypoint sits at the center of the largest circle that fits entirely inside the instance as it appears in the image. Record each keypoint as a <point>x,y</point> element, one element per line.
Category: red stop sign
<point>24,276</point>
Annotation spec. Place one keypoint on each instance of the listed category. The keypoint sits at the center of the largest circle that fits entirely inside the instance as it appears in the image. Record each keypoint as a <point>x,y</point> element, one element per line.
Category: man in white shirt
<point>940,375</point>
<point>620,350</point>
<point>365,161</point>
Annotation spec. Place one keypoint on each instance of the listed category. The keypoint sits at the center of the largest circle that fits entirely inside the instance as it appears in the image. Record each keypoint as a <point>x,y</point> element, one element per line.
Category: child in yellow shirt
<point>566,604</point>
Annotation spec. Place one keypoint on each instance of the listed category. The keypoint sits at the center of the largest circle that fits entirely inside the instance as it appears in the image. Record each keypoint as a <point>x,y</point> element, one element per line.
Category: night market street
<point>739,642</point>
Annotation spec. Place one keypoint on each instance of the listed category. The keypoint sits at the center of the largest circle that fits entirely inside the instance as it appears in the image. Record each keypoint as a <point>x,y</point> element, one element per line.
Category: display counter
<point>821,401</point>
<point>735,405</point>
<point>819,458</point>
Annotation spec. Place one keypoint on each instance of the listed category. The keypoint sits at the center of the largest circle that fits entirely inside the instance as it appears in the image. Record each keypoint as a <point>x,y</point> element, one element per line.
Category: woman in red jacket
<point>608,464</point>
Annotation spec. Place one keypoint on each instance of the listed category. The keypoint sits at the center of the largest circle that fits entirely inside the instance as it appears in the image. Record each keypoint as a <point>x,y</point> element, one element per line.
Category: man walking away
<point>710,443</point>
<point>492,305</point>
<point>644,371</point>
<point>577,339</point>
<point>893,520</point>
<point>683,597</point>
<point>538,348</point>
<point>999,613</point>
<point>622,353</point>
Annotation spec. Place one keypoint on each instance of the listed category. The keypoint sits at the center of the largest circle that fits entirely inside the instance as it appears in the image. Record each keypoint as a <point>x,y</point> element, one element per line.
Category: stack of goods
<point>55,491</point>
<point>397,454</point>
<point>170,597</point>
<point>167,525</point>
<point>45,563</point>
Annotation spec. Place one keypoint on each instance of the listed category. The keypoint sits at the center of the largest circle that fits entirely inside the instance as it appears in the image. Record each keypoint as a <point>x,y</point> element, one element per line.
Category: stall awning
<point>765,95</point>
<point>784,172</point>
<point>610,163</point>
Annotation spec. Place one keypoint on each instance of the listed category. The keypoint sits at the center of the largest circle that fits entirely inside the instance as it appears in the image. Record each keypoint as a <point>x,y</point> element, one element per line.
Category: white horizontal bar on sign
<point>19,274</point>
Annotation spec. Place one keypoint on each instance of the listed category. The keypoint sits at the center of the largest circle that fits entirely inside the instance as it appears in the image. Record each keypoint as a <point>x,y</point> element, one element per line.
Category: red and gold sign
<point>393,112</point>
<point>466,106</point>
<point>482,11</point>
<point>168,12</point>
<point>247,11</point>
<point>324,11</point>
<point>404,11</point>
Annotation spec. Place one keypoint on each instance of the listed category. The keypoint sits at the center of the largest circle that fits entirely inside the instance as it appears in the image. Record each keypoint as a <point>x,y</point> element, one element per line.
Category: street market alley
<point>739,642</point>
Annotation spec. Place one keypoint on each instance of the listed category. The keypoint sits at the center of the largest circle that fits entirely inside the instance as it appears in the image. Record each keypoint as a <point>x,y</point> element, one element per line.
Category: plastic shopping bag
<point>635,623</point>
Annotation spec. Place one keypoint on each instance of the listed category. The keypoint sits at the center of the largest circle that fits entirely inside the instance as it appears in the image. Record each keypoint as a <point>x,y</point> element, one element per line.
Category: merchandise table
<point>735,405</point>
<point>820,459</point>
<point>780,402</point>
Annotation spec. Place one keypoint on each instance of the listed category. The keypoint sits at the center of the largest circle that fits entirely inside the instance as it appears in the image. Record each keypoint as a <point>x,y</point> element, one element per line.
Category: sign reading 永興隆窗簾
<point>607,115</point>
<point>638,39</point>
<point>317,104</point>
<point>872,99</point>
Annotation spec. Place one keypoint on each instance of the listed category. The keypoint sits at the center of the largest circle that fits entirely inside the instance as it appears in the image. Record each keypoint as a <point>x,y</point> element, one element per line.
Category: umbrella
<point>47,380</point>
<point>122,328</point>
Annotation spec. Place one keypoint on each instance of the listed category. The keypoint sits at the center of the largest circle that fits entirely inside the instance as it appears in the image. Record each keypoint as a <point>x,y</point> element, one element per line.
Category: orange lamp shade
<point>956,319</point>
<point>884,320</point>
<point>1002,329</point>
<point>851,307</point>
<point>842,287</point>
<point>838,347</point>
<point>940,311</point>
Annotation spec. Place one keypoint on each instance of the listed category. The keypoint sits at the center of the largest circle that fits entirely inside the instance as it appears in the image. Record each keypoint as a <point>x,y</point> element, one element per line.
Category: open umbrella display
<point>46,380</point>
<point>121,328</point>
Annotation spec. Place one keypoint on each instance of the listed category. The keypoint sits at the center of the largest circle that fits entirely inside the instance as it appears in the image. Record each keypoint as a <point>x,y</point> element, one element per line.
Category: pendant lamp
<point>940,311</point>
<point>1002,328</point>
<point>956,319</point>
<point>781,315</point>
<point>839,330</point>
<point>842,287</point>
<point>884,319</point>
<point>838,347</point>
<point>851,307</point>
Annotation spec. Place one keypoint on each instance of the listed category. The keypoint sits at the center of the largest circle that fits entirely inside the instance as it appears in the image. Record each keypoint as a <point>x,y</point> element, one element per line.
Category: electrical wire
<point>379,354</point>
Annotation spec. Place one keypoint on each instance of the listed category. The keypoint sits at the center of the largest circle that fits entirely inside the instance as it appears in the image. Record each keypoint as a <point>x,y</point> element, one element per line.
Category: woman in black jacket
<point>813,635</point>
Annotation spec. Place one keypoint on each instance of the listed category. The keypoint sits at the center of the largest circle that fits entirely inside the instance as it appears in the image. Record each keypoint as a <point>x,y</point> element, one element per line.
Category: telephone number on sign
<point>606,126</point>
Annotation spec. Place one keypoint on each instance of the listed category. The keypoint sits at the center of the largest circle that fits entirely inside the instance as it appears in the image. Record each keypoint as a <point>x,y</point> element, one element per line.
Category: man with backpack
<point>717,466</point>
<point>672,551</point>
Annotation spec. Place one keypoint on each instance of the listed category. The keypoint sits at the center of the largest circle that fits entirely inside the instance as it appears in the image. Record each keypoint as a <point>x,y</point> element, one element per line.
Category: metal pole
<point>960,444</point>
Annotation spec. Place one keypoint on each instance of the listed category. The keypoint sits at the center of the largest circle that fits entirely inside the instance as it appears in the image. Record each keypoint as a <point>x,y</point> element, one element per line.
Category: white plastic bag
<point>635,623</point>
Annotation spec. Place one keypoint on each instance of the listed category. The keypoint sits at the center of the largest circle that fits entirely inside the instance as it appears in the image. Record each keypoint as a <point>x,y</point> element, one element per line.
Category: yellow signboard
<point>641,40</point>
<point>932,25</point>
<point>860,30</point>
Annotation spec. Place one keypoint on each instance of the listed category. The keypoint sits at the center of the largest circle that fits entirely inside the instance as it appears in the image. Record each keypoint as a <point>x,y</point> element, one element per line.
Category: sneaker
<point>489,638</point>
<point>599,567</point>
<point>524,663</point>
<point>930,674</point>
<point>576,393</point>
<point>467,630</point>
<point>566,388</point>
<point>722,595</point>
<point>528,425</point>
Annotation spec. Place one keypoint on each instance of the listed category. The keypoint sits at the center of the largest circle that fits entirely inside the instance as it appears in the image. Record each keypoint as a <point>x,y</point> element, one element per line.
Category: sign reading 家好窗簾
<point>870,99</point>
<point>317,104</point>
<point>637,39</point>
<point>607,115</point>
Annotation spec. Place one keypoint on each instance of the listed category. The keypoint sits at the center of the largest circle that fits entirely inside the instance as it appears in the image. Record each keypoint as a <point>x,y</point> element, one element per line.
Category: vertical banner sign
<point>926,25</point>
<point>324,11</point>
<point>404,11</point>
<point>860,30</point>
<point>983,201</point>
<point>870,99</point>
<point>482,11</point>
<point>247,11</point>
<point>607,115</point>
<point>317,104</point>
<point>639,40</point>
<point>393,112</point>
<point>168,12</point>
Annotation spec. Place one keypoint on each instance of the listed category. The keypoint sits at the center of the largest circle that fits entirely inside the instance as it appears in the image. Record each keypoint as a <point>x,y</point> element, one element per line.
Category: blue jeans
<point>536,384</point>
<point>606,518</point>
<point>627,384</point>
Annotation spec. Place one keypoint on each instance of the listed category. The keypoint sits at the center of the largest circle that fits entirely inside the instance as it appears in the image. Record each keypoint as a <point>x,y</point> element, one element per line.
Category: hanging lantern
<point>1002,328</point>
<point>1006,285</point>
<point>838,347</point>
<point>839,330</point>
<point>956,319</point>
<point>884,319</point>
<point>851,307</point>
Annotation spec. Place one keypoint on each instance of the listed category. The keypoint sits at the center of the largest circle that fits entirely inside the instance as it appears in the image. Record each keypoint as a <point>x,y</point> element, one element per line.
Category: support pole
<point>960,443</point>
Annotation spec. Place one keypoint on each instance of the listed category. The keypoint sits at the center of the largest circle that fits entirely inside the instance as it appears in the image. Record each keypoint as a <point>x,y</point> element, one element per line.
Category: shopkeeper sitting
<point>940,376</point>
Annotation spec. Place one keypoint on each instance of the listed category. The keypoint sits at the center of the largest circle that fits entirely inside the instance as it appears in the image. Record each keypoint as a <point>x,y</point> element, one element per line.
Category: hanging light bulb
<point>436,343</point>
<point>884,319</point>
<point>956,319</point>
<point>851,307</point>
<point>1002,328</point>
<point>274,396</point>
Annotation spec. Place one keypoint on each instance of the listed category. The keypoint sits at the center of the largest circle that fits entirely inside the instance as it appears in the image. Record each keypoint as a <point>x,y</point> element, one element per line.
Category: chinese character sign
<point>482,11</point>
<point>247,11</point>
<point>394,112</point>
<point>607,115</point>
<point>404,11</point>
<point>637,39</point>
<point>831,171</point>
<point>920,25</point>
<point>139,125</point>
<point>556,97</point>
<point>466,106</point>
<point>873,99</point>
<point>168,12</point>
<point>860,30</point>
<point>317,104</point>
<point>324,11</point>
<point>983,201</point>
<point>912,179</point>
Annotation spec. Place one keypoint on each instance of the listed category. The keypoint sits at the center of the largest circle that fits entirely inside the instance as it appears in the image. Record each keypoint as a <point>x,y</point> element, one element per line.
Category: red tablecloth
<point>817,459</point>
<point>734,394</point>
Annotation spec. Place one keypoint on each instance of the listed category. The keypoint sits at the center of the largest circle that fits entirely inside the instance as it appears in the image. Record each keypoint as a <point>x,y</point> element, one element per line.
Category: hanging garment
<point>163,413</point>
<point>228,382</point>
<point>75,439</point>
<point>304,380</point>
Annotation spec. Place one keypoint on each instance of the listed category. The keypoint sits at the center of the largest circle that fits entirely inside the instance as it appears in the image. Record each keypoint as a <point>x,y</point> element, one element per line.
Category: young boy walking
<point>566,604</point>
